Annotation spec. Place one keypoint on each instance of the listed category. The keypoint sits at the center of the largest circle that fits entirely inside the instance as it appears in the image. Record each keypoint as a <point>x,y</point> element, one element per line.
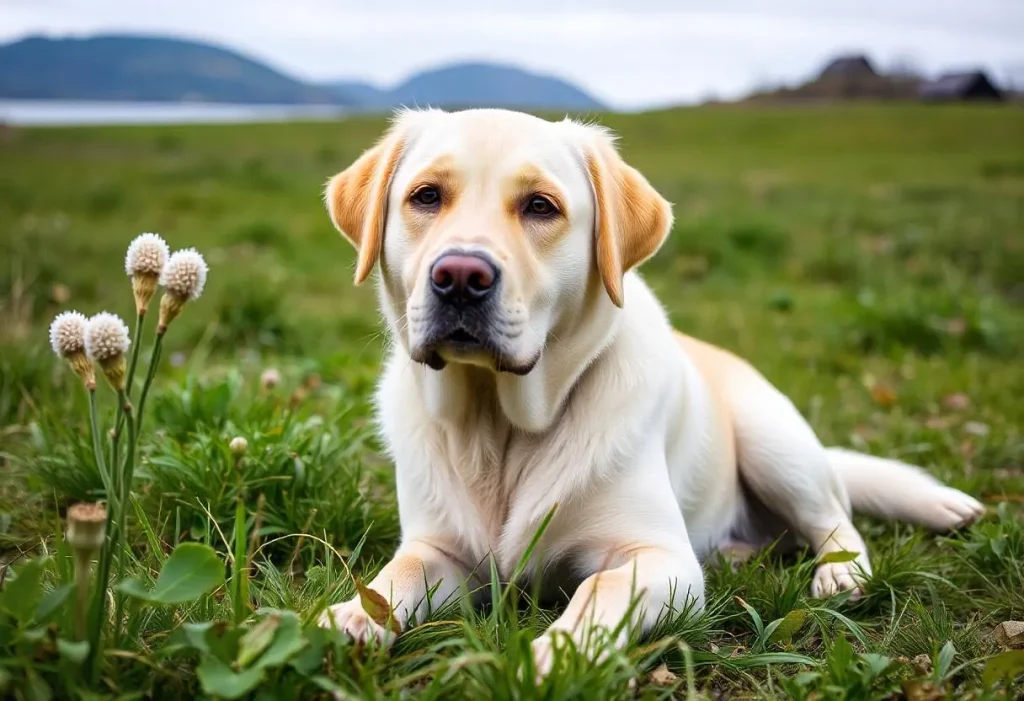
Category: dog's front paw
<point>831,578</point>
<point>543,651</point>
<point>351,619</point>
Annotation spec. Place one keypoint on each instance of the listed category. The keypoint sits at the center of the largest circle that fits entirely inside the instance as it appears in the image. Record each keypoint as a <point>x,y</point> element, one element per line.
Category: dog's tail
<point>894,490</point>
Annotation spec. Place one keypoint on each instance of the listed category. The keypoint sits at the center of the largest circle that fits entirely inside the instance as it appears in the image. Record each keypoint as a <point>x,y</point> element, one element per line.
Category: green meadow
<point>869,260</point>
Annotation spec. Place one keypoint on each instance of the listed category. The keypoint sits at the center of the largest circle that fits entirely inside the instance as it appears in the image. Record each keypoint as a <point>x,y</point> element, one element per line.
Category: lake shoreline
<point>70,113</point>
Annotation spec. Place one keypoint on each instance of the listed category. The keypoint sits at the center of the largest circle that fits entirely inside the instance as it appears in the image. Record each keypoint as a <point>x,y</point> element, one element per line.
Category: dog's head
<point>493,229</point>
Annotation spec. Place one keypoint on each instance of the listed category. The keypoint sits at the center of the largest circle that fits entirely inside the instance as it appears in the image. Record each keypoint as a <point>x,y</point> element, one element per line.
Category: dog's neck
<point>531,402</point>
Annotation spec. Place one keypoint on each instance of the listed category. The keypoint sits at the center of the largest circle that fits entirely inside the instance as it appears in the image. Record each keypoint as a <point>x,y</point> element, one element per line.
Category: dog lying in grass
<point>533,372</point>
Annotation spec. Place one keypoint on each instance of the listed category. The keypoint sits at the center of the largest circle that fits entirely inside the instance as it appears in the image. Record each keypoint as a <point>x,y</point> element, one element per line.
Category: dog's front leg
<point>420,577</point>
<point>629,597</point>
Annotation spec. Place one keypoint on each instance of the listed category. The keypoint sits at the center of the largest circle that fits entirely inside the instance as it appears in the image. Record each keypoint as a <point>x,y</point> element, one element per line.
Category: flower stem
<point>123,499</point>
<point>154,361</point>
<point>129,381</point>
<point>135,354</point>
<point>97,444</point>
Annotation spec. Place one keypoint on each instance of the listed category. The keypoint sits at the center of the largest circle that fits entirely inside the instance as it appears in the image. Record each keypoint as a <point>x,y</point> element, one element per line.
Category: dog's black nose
<point>463,278</point>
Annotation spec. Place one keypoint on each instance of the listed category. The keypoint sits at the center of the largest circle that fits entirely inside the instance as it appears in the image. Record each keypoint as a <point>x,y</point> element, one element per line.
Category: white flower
<point>185,274</point>
<point>270,378</point>
<point>106,337</point>
<point>147,255</point>
<point>67,334</point>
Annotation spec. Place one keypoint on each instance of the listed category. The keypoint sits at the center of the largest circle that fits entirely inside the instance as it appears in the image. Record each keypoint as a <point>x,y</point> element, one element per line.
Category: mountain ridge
<point>151,68</point>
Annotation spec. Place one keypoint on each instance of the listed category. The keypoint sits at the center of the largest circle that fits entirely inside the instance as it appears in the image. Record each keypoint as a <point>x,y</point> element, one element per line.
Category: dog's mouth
<point>465,347</point>
<point>462,338</point>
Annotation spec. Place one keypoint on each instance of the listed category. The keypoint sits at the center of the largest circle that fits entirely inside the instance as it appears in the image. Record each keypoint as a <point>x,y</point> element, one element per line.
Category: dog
<point>533,379</point>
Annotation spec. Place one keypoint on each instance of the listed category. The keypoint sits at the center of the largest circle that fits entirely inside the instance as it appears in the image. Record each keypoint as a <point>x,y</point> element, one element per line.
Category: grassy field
<point>869,260</point>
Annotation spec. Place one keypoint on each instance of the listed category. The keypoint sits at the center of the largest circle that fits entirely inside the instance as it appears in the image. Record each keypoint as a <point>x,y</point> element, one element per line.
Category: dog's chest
<point>476,469</point>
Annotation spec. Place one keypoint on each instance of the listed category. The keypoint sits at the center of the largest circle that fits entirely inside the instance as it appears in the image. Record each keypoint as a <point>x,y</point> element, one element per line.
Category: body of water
<point>69,113</point>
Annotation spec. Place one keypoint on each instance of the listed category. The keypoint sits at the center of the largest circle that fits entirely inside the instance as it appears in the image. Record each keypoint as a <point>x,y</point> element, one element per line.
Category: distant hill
<point>142,68</point>
<point>474,85</point>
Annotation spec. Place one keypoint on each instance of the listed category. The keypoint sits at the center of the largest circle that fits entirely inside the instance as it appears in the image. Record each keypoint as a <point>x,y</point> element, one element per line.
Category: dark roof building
<point>852,66</point>
<point>973,85</point>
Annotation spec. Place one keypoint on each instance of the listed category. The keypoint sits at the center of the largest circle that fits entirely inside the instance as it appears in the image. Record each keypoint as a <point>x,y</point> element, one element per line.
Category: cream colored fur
<point>653,449</point>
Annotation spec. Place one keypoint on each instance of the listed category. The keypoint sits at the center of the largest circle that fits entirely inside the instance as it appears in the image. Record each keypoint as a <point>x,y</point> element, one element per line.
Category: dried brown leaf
<point>662,676</point>
<point>376,606</point>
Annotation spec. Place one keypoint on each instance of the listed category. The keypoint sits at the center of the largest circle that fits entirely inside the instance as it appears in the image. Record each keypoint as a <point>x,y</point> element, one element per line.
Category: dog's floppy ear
<point>632,219</point>
<point>357,199</point>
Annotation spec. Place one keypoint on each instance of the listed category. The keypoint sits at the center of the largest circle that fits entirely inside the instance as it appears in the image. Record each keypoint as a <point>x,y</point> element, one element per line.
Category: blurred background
<point>323,57</point>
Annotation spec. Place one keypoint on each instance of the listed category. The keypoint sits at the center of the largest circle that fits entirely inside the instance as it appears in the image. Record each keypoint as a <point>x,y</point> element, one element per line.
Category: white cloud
<point>630,54</point>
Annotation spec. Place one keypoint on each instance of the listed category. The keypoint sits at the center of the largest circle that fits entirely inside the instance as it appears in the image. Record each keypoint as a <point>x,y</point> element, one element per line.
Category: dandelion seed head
<point>147,255</point>
<point>106,337</point>
<point>67,334</point>
<point>185,274</point>
<point>239,445</point>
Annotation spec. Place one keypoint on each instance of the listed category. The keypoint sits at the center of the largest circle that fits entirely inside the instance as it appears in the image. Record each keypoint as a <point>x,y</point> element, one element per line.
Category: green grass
<point>869,260</point>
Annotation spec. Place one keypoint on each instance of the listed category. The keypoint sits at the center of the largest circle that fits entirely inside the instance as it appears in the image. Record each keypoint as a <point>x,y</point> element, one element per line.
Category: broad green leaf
<point>288,641</point>
<point>876,663</point>
<point>256,640</point>
<point>312,658</point>
<point>217,679</point>
<point>52,601</point>
<point>790,624</point>
<point>195,635</point>
<point>1007,664</point>
<point>37,688</point>
<point>218,639</point>
<point>22,591</point>
<point>376,606</point>
<point>946,655</point>
<point>74,651</point>
<point>192,570</point>
<point>838,556</point>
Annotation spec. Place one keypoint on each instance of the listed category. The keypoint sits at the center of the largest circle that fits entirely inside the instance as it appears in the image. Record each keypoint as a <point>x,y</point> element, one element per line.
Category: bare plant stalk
<point>98,609</point>
<point>83,568</point>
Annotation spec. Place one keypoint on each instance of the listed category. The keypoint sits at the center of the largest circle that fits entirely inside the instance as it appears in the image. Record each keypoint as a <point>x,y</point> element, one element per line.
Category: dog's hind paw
<point>949,509</point>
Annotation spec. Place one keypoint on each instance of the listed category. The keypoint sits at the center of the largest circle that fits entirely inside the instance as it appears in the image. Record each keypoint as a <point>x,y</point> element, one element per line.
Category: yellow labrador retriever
<point>532,367</point>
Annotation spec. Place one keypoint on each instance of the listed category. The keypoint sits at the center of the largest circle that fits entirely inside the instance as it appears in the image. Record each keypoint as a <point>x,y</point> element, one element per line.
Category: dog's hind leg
<point>894,490</point>
<point>784,464</point>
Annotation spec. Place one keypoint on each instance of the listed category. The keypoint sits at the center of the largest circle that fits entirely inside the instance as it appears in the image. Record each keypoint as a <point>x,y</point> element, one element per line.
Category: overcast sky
<point>630,54</point>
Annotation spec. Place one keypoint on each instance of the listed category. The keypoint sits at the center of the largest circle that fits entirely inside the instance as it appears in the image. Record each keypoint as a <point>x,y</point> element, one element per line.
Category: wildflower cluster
<point>102,342</point>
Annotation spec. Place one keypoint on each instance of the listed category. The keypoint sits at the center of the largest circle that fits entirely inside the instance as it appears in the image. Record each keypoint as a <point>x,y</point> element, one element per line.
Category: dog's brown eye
<point>540,206</point>
<point>427,197</point>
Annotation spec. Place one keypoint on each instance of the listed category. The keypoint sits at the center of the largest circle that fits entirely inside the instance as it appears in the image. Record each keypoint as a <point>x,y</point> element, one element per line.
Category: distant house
<point>973,85</point>
<point>852,66</point>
